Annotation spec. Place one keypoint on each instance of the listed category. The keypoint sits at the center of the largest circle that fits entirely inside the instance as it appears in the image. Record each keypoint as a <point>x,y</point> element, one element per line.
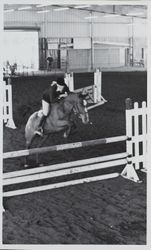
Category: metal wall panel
<point>107,57</point>
<point>110,30</point>
<point>64,30</point>
<point>71,23</point>
<point>79,59</point>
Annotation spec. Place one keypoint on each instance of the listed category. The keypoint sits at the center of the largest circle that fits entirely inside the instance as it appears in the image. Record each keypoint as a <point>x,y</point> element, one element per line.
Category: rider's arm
<point>66,89</point>
<point>52,93</point>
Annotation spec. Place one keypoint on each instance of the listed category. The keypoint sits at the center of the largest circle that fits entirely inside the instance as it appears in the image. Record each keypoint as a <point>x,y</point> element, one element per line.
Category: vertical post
<point>92,45</point>
<point>144,132</point>
<point>129,171</point>
<point>129,147</point>
<point>99,86</point>
<point>9,104</point>
<point>69,80</point>
<point>95,85</point>
<point>5,94</point>
<point>132,43</point>
<point>136,135</point>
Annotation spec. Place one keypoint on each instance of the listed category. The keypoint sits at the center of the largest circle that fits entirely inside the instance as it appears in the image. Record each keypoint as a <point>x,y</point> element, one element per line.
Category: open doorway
<point>21,48</point>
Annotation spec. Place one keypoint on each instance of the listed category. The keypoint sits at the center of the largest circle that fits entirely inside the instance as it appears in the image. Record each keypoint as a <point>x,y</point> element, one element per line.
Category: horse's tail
<point>31,126</point>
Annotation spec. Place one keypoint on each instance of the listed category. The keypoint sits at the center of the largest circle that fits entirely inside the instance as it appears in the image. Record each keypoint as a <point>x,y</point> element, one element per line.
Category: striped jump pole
<point>27,152</point>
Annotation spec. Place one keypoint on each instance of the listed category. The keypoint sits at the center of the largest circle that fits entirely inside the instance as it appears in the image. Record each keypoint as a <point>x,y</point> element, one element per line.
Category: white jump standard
<point>131,159</point>
<point>7,105</point>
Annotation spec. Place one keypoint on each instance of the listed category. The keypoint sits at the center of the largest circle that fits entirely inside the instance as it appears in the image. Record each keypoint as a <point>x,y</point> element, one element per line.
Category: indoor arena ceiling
<point>139,11</point>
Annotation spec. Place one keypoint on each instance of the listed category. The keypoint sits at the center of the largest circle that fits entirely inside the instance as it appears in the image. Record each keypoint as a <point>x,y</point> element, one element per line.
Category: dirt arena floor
<point>111,211</point>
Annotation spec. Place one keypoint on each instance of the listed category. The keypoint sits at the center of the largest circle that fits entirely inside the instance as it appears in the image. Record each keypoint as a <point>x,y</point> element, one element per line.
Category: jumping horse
<point>59,119</point>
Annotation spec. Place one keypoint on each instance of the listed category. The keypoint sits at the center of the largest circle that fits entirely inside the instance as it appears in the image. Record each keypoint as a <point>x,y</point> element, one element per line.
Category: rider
<point>56,90</point>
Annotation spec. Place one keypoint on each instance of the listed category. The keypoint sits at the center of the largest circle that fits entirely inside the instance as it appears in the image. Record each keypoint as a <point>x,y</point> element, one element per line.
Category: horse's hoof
<point>65,135</point>
<point>41,165</point>
<point>26,165</point>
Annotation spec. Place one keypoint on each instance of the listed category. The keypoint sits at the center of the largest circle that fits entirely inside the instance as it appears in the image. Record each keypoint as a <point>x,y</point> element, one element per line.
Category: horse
<point>60,118</point>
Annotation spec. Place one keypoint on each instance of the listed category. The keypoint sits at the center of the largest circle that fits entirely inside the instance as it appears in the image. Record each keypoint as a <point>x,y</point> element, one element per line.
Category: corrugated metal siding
<point>79,59</point>
<point>71,23</point>
<point>107,57</point>
<point>110,30</point>
<point>64,24</point>
<point>65,30</point>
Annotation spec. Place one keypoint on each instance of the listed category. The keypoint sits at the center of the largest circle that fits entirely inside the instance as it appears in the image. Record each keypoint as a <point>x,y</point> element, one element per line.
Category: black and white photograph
<point>75,115</point>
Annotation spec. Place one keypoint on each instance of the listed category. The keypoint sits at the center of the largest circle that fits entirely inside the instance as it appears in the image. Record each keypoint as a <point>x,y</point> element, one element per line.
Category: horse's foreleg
<point>39,145</point>
<point>28,145</point>
<point>67,132</point>
<point>68,129</point>
<point>26,157</point>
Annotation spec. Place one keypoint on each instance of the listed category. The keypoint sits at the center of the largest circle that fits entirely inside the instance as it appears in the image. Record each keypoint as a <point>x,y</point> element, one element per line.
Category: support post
<point>69,81</point>
<point>7,105</point>
<point>129,171</point>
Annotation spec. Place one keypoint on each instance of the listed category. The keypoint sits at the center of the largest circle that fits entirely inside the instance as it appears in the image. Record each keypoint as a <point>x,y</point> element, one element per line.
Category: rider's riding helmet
<point>60,81</point>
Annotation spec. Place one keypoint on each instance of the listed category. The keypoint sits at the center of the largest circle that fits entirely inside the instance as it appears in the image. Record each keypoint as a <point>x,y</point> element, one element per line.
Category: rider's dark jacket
<point>51,94</point>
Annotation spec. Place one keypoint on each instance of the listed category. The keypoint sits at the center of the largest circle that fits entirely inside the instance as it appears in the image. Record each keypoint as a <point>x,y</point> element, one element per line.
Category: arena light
<point>25,8</point>
<point>61,9</point>
<point>82,6</point>
<point>90,17</point>
<point>43,11</point>
<point>8,11</point>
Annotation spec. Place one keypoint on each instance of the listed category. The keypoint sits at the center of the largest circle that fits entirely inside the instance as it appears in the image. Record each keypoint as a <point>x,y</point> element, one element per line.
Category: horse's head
<point>80,107</point>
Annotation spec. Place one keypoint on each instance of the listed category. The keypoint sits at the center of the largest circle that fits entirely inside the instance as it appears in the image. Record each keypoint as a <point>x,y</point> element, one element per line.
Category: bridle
<point>76,109</point>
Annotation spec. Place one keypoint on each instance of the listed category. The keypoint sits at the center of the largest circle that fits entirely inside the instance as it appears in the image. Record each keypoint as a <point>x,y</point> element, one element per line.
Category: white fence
<point>136,129</point>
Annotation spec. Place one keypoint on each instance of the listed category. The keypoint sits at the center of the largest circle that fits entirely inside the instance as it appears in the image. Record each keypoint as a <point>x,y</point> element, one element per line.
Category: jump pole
<point>64,171</point>
<point>59,166</point>
<point>27,152</point>
<point>58,185</point>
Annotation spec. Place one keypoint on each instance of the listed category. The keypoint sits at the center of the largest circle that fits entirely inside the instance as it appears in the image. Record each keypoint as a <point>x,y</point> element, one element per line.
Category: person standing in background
<point>49,62</point>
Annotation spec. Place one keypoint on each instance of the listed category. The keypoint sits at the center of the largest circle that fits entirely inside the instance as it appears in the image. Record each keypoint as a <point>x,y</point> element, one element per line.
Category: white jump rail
<point>59,185</point>
<point>133,159</point>
<point>26,152</point>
